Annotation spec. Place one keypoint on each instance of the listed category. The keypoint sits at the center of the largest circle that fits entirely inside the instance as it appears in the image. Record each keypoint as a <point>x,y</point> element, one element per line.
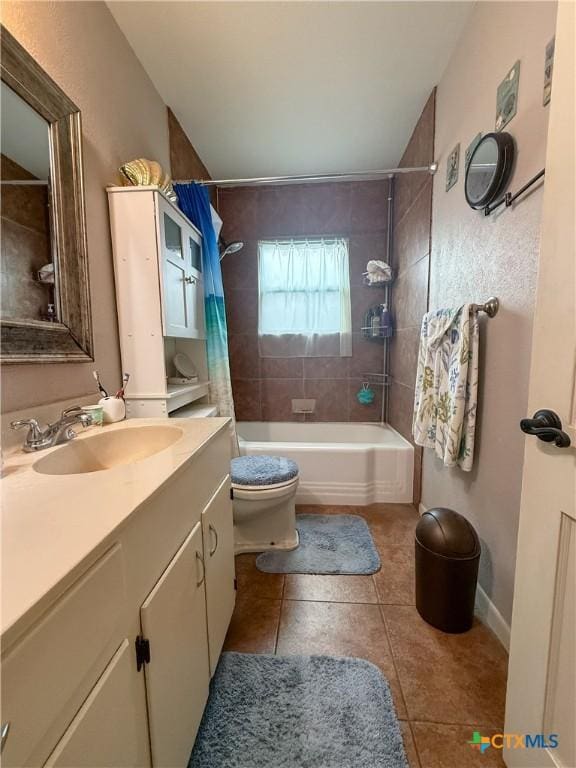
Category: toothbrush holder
<point>114,409</point>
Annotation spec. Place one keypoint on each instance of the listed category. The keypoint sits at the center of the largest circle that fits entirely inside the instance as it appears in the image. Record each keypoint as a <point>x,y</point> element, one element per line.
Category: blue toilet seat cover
<point>262,470</point>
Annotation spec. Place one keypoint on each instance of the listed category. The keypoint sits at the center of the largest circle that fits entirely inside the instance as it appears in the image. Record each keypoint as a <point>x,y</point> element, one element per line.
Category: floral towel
<point>447,385</point>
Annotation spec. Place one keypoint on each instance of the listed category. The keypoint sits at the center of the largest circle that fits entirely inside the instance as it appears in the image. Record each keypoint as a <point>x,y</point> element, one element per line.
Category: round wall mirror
<point>489,169</point>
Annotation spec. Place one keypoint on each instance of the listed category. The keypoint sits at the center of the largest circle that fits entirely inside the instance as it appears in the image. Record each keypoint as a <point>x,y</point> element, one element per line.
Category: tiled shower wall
<point>25,246</point>
<point>264,387</point>
<point>411,264</point>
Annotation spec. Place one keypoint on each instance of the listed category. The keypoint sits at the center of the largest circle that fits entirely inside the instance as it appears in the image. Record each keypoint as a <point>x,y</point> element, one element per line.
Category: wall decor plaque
<point>548,68</point>
<point>507,97</point>
<point>452,167</point>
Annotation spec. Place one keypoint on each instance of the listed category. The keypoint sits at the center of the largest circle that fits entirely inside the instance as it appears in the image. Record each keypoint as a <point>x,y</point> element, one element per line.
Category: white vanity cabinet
<point>49,672</point>
<point>174,623</point>
<point>113,668</point>
<point>110,727</point>
<point>185,619</point>
<point>218,534</point>
<point>159,297</point>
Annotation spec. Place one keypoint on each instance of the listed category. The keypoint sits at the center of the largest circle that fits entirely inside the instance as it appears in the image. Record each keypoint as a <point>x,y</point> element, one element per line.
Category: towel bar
<point>491,307</point>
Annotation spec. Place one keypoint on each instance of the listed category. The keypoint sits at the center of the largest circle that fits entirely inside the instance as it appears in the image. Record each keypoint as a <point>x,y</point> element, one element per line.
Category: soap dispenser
<point>386,327</point>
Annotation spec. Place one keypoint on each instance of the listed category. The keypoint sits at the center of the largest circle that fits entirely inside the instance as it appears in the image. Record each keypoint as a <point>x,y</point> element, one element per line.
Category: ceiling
<point>274,88</point>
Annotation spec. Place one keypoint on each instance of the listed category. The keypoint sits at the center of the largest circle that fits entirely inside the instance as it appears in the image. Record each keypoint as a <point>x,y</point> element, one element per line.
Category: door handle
<point>201,561</point>
<point>546,426</point>
<point>215,532</point>
<point>4,734</point>
<point>190,280</point>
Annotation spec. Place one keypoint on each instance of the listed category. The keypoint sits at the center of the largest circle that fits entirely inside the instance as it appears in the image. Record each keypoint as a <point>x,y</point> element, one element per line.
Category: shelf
<point>379,284</point>
<point>173,391</point>
<point>178,395</point>
<point>198,411</point>
<point>378,379</point>
<point>371,336</point>
<point>176,390</point>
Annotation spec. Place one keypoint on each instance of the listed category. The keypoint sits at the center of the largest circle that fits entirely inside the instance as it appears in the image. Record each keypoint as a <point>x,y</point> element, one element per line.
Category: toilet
<point>264,491</point>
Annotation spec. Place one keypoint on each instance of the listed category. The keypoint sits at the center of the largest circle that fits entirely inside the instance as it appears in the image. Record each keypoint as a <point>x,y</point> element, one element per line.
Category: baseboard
<point>485,609</point>
<point>487,612</point>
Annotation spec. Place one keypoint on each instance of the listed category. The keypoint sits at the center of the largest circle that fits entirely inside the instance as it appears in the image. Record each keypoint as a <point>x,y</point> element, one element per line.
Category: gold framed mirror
<point>45,311</point>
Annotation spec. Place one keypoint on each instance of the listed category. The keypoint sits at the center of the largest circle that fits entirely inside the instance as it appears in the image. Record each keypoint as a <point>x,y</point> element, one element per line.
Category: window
<point>304,298</point>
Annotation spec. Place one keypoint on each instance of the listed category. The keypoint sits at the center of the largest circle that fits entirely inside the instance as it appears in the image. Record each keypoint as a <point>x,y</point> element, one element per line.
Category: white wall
<point>474,257</point>
<point>81,47</point>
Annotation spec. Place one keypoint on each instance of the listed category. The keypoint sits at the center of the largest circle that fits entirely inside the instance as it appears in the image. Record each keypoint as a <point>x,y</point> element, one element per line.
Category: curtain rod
<point>305,178</point>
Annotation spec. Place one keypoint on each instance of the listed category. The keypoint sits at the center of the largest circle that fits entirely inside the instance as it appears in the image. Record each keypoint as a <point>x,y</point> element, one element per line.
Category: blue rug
<point>329,544</point>
<point>298,712</point>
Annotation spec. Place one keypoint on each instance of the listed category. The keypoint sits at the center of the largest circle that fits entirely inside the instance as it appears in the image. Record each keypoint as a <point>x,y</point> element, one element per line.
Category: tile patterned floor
<point>444,686</point>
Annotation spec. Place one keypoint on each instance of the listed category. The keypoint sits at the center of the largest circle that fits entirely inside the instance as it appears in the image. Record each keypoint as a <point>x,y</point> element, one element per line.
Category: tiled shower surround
<point>411,264</point>
<point>264,387</point>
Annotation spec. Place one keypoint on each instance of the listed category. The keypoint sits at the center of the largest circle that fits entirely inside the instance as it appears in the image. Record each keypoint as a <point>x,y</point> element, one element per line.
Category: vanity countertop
<point>51,523</point>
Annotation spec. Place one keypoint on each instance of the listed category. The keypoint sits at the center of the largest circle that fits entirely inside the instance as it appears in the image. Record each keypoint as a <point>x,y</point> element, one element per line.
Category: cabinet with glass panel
<point>160,299</point>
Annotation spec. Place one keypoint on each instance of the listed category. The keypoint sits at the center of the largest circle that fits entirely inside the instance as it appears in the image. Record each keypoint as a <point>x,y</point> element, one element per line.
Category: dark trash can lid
<point>447,533</point>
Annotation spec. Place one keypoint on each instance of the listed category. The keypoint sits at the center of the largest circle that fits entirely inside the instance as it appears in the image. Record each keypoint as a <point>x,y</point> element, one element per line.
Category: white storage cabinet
<point>159,296</point>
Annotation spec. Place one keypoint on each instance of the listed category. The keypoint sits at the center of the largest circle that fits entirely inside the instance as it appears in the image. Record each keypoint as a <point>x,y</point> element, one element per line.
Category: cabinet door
<point>218,533</point>
<point>51,670</point>
<point>195,248</point>
<point>195,286</point>
<point>173,619</point>
<point>110,728</point>
<point>175,274</point>
<point>195,303</point>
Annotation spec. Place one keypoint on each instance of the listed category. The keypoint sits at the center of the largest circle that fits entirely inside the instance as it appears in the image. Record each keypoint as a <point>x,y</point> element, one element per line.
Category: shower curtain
<point>195,203</point>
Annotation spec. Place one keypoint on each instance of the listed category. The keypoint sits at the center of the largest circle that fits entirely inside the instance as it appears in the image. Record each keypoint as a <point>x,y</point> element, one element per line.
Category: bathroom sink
<point>107,450</point>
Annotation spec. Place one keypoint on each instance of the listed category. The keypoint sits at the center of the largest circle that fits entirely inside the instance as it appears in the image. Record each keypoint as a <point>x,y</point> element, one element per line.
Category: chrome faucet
<point>61,431</point>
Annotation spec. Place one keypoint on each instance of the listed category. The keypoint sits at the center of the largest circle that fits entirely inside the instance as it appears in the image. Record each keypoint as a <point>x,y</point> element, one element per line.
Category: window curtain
<point>195,203</point>
<point>304,298</point>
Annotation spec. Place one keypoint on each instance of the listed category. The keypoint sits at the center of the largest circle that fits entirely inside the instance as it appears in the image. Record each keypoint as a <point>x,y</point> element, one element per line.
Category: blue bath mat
<point>298,712</point>
<point>329,544</point>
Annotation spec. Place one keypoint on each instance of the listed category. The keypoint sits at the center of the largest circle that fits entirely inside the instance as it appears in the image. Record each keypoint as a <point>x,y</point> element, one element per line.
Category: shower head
<point>237,245</point>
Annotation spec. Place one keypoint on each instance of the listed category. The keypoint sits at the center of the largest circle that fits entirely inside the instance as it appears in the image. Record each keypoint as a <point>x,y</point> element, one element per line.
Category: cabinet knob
<point>4,734</point>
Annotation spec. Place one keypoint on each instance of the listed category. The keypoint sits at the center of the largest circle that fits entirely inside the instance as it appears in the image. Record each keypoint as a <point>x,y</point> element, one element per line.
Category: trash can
<point>447,558</point>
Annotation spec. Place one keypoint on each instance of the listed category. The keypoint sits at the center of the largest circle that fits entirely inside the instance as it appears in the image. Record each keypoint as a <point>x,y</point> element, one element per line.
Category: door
<point>175,257</point>
<point>110,729</point>
<point>173,619</point>
<point>542,675</point>
<point>218,533</point>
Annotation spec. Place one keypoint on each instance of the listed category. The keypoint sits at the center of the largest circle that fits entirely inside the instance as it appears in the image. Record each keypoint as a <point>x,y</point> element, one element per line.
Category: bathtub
<point>340,463</point>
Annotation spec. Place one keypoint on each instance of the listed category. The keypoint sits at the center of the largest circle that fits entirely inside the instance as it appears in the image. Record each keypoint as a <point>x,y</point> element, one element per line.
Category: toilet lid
<point>262,470</point>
